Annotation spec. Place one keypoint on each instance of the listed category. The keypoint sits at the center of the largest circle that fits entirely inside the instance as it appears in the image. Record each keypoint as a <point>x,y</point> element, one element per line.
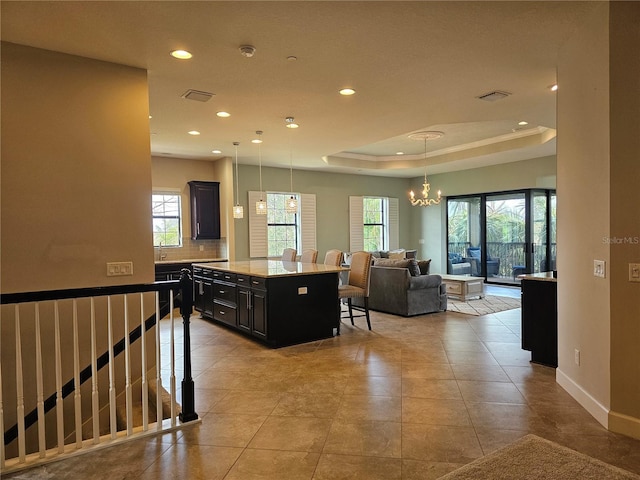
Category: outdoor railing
<point>51,333</point>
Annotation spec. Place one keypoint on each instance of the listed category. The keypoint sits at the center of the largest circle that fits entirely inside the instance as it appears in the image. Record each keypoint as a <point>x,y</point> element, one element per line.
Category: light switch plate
<point>599,268</point>
<point>118,269</point>
<point>634,272</point>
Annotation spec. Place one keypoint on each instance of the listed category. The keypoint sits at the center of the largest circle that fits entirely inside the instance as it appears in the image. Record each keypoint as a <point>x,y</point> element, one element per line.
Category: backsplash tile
<point>191,249</point>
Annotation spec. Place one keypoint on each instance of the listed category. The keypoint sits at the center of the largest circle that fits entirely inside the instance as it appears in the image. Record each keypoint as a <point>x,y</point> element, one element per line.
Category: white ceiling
<point>415,66</point>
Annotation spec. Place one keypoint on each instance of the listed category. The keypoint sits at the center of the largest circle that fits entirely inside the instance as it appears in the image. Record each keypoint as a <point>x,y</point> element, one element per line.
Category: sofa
<point>404,287</point>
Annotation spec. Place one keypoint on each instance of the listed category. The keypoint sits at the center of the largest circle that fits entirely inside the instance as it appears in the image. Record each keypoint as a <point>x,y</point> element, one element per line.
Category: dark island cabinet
<point>205,210</point>
<point>252,305</point>
<point>540,320</point>
<point>203,291</point>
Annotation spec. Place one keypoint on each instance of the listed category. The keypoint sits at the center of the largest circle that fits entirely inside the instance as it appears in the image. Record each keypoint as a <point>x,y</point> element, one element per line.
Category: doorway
<point>501,235</point>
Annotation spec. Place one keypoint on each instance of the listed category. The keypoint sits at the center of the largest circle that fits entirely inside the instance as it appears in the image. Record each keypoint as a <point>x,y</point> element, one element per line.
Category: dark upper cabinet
<point>205,210</point>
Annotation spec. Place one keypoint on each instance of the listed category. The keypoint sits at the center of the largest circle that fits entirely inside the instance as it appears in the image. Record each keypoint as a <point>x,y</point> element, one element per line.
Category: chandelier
<point>425,201</point>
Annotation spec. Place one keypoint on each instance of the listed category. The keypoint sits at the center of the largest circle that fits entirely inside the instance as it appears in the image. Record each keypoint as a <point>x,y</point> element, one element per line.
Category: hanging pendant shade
<point>238,211</point>
<point>261,205</point>
<point>291,204</point>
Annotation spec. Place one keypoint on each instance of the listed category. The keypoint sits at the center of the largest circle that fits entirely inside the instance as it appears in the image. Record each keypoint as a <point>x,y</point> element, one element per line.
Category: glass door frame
<point>530,254</point>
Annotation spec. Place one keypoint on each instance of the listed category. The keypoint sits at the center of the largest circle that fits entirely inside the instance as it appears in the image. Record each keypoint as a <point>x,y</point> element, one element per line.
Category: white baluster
<point>173,362</point>
<point>127,369</point>
<point>112,386</point>
<point>42,445</point>
<point>95,399</point>
<point>19,389</point>
<point>76,377</point>
<point>59,399</point>
<point>145,385</point>
<point>159,413</point>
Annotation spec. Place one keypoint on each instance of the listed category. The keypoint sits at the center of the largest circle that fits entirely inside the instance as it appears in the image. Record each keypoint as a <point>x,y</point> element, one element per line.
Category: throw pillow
<point>424,266</point>
<point>384,254</point>
<point>474,252</point>
<point>397,254</point>
<point>414,268</point>
<point>455,258</point>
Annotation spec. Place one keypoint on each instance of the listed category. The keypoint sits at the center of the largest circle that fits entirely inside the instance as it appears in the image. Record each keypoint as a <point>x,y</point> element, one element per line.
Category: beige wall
<point>624,105</point>
<point>598,202</point>
<point>76,178</point>
<point>76,186</point>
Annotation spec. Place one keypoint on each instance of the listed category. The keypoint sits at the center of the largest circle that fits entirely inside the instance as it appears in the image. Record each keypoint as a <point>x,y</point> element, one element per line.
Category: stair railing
<point>15,452</point>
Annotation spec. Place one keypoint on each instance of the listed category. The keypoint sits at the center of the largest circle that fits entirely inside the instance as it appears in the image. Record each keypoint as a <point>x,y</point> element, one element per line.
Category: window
<point>373,216</point>
<point>271,233</point>
<point>282,227</point>
<point>166,220</point>
<point>373,223</point>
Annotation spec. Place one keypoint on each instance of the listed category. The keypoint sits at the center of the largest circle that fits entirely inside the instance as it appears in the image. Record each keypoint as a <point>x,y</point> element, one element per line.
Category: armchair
<point>474,255</point>
<point>457,265</point>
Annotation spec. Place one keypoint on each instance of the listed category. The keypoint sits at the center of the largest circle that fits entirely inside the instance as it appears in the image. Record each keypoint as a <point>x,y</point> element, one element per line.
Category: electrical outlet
<point>118,269</point>
<point>201,248</point>
<point>576,356</point>
<point>599,268</point>
<point>634,272</point>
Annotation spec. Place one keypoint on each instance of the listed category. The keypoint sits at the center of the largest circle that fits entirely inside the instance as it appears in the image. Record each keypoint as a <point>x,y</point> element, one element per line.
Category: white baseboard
<point>584,398</point>
<point>624,424</point>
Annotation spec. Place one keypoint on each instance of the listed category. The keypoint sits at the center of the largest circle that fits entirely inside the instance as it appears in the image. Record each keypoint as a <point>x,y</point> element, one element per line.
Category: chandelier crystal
<point>425,201</point>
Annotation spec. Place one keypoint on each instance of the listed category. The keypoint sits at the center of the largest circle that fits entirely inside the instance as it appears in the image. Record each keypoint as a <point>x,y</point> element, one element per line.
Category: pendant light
<point>261,205</point>
<point>238,211</point>
<point>291,205</point>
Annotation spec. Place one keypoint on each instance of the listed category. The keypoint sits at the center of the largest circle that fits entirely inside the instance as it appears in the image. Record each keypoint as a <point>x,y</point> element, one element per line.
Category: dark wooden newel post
<point>188,413</point>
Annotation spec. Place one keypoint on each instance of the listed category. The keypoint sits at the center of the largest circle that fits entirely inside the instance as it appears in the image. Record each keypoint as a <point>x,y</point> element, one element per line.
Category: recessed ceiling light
<point>292,58</point>
<point>399,153</point>
<point>553,87</point>
<point>223,114</point>
<point>256,140</point>
<point>194,132</point>
<point>181,54</point>
<point>523,123</point>
<point>150,116</point>
<point>216,151</point>
<point>347,91</point>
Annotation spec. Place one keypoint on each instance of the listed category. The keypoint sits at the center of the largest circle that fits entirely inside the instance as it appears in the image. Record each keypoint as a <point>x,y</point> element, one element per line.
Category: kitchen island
<point>540,317</point>
<point>279,303</point>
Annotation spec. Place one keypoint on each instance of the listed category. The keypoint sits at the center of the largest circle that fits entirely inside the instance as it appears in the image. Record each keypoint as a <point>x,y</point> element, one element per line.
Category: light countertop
<point>272,268</point>
<point>541,276</point>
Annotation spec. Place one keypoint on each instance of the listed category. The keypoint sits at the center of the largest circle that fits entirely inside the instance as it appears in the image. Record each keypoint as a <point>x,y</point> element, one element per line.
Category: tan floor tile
<point>363,385</point>
<point>435,412</point>
<point>454,345</point>
<point>349,467</point>
<point>486,373</point>
<point>439,444</point>
<point>302,434</point>
<point>307,405</point>
<point>223,430</point>
<point>427,388</point>
<point>505,416</point>
<point>312,383</point>
<point>496,392</point>
<point>376,439</point>
<point>356,408</point>
<point>492,439</point>
<point>206,398</point>
<point>273,465</point>
<point>193,462</point>
<point>377,369</point>
<point>248,402</point>
<point>417,470</point>
<point>473,358</point>
<point>433,371</point>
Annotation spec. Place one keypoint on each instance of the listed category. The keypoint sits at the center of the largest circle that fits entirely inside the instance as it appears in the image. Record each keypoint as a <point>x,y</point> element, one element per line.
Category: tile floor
<point>413,399</point>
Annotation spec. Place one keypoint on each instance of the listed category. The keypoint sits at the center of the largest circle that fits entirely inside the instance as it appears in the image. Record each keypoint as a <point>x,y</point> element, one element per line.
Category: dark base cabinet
<point>203,291</point>
<point>279,311</point>
<point>540,321</point>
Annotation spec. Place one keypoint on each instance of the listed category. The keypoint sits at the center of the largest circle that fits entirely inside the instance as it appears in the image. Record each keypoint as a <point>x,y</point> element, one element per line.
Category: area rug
<point>483,306</point>
<point>535,458</point>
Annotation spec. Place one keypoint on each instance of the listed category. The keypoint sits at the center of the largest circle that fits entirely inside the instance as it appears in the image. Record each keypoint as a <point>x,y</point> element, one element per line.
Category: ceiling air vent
<point>493,96</point>
<point>197,95</point>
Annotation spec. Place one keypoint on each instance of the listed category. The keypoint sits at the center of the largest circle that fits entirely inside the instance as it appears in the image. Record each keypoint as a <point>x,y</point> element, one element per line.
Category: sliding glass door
<point>501,235</point>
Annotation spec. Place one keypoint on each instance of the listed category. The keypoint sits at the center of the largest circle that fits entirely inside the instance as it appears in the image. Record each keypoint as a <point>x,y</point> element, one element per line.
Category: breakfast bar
<point>278,303</point>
